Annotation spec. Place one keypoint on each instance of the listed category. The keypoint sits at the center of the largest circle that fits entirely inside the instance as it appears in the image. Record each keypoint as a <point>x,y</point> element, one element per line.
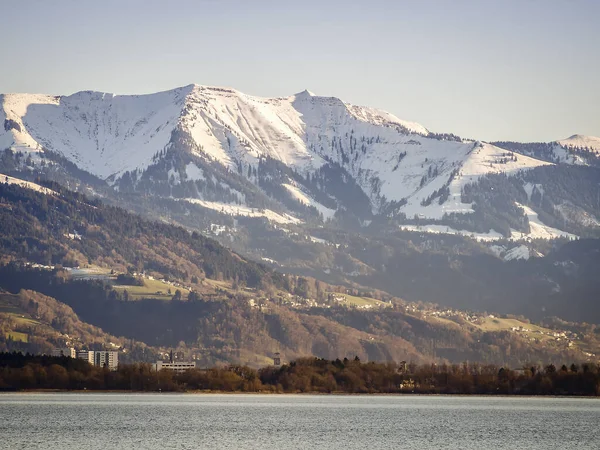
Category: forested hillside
<point>68,229</point>
<point>220,307</point>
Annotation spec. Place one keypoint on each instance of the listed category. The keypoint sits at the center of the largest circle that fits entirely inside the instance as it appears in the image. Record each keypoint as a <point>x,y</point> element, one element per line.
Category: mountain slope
<point>236,310</point>
<point>275,178</point>
<point>104,134</point>
<point>300,151</point>
<point>580,141</point>
<point>577,149</point>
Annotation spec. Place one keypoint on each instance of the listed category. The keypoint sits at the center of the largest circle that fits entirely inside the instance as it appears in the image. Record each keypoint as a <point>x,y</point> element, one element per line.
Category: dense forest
<point>307,375</point>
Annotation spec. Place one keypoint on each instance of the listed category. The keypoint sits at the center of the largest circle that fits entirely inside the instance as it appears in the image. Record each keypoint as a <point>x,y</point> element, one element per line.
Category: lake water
<point>164,421</point>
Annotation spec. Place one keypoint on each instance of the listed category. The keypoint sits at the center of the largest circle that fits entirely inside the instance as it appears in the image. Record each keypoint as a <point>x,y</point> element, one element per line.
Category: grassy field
<point>17,336</point>
<point>218,284</point>
<point>500,324</point>
<point>92,272</point>
<point>24,320</point>
<point>9,305</point>
<point>151,289</point>
<point>360,301</point>
<point>445,321</point>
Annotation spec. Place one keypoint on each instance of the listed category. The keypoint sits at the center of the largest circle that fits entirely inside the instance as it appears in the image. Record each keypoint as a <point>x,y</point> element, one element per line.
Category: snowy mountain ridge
<point>288,153</point>
<point>581,141</point>
<point>108,134</point>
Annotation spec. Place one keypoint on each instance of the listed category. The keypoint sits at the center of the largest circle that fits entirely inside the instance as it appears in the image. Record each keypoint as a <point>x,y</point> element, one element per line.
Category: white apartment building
<point>64,351</point>
<point>86,355</point>
<point>103,358</point>
<point>106,358</point>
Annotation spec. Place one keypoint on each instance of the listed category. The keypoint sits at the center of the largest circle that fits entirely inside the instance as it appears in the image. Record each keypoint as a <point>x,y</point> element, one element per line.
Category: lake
<point>235,421</point>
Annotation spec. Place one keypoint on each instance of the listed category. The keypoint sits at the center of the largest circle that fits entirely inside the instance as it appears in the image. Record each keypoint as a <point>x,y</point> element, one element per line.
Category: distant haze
<point>510,70</point>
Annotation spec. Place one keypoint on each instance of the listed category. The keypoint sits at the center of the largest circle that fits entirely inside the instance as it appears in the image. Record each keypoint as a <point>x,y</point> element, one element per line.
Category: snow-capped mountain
<point>291,158</point>
<point>577,149</point>
<point>578,141</point>
<point>104,134</point>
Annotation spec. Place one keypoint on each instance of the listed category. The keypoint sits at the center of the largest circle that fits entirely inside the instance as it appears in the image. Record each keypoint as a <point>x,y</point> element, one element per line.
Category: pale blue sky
<point>513,70</point>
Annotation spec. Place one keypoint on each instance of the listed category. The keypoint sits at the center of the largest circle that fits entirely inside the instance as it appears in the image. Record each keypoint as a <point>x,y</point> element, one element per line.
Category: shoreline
<point>278,394</point>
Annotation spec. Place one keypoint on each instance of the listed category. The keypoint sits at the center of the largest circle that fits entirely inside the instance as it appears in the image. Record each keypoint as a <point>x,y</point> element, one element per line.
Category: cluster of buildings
<point>98,358</point>
<point>110,359</point>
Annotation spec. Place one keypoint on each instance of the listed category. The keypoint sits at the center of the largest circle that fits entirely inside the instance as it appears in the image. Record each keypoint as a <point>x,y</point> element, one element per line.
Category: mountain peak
<point>304,94</point>
<point>582,141</point>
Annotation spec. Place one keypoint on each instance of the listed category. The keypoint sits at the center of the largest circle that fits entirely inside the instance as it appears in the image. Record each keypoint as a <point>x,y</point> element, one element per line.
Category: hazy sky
<point>513,70</point>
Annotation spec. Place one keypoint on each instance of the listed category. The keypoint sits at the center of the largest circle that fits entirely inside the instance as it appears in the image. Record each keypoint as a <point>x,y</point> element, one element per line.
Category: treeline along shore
<point>20,372</point>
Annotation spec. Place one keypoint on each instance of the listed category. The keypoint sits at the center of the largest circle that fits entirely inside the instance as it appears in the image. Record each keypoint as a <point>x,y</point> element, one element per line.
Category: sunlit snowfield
<point>157,421</point>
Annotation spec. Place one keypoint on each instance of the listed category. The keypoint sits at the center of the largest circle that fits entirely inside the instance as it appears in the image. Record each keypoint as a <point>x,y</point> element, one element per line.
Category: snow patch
<point>194,172</point>
<point>520,252</point>
<point>270,261</point>
<point>328,213</point>
<point>317,240</point>
<point>528,187</point>
<point>245,211</point>
<point>27,185</point>
<point>539,229</point>
<point>443,229</point>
